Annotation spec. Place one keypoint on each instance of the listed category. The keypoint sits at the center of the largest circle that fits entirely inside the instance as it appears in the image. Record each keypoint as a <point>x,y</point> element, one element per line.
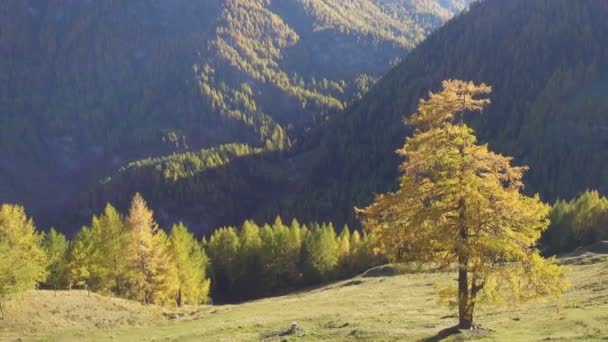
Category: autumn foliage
<point>460,203</point>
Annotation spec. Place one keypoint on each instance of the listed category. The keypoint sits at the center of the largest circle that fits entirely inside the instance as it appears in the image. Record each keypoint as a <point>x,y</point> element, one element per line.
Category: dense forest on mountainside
<point>89,86</point>
<point>547,62</point>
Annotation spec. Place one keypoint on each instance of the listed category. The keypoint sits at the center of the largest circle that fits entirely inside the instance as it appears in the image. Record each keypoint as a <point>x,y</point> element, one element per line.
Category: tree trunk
<point>1,311</point>
<point>179,297</point>
<point>465,315</point>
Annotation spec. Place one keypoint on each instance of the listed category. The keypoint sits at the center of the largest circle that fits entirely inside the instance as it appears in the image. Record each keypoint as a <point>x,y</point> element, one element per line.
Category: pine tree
<point>460,203</point>
<point>152,277</point>
<point>191,263</point>
<point>56,248</point>
<point>22,257</point>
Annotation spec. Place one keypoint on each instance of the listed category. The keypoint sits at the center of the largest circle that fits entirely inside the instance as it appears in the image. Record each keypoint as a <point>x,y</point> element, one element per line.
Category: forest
<point>458,203</point>
<point>92,86</point>
<point>550,117</point>
<point>196,164</point>
<point>130,256</point>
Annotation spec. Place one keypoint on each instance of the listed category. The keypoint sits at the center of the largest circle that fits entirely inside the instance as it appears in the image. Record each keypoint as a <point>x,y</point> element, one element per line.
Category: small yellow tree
<point>191,264</point>
<point>459,203</point>
<point>22,258</point>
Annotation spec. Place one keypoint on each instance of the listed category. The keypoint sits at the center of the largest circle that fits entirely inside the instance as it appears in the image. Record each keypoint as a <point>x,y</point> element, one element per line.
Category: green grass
<point>375,309</point>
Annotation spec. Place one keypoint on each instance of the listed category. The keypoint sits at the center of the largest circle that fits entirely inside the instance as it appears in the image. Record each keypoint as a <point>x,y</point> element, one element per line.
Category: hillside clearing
<point>364,308</point>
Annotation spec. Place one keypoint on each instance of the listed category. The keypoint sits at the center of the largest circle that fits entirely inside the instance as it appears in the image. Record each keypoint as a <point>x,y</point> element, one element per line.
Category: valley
<point>368,308</point>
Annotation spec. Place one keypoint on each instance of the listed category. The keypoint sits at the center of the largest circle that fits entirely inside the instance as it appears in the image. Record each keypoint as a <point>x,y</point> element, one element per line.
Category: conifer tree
<point>356,248</point>
<point>22,258</point>
<point>56,248</point>
<point>321,250</point>
<point>294,250</point>
<point>79,260</point>
<point>283,252</point>
<point>250,259</point>
<point>223,249</point>
<point>164,279</point>
<point>191,263</point>
<point>152,277</point>
<point>460,203</point>
<point>108,262</point>
<point>344,251</point>
<point>580,222</point>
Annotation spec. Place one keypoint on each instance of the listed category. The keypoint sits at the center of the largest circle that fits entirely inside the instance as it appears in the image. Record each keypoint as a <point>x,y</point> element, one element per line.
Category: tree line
<point>459,207</point>
<point>123,256</point>
<point>255,261</point>
<point>577,223</point>
<point>132,257</point>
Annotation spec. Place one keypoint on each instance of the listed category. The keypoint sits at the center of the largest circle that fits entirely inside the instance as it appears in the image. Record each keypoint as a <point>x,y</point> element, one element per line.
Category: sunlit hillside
<point>373,307</point>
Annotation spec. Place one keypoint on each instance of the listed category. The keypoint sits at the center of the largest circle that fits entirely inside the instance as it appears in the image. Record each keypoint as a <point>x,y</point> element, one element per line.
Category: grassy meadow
<point>376,307</point>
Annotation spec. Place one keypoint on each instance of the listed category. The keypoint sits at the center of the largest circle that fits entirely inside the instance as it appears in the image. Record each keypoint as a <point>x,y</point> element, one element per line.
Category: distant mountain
<point>547,61</point>
<point>88,86</point>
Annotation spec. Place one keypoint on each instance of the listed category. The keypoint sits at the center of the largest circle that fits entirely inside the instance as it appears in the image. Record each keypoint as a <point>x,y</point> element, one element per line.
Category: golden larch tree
<point>22,258</point>
<point>461,204</point>
<point>152,272</point>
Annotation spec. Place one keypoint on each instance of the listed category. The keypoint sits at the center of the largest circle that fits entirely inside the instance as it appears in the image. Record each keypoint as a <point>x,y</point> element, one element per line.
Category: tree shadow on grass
<point>443,334</point>
<point>452,331</point>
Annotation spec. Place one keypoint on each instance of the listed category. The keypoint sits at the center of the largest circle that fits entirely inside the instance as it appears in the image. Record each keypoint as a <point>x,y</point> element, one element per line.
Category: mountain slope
<point>548,63</point>
<point>89,86</point>
<point>358,309</point>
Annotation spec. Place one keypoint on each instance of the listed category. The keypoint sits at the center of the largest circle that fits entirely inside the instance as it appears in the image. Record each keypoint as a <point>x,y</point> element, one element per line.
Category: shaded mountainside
<point>88,86</point>
<point>547,61</point>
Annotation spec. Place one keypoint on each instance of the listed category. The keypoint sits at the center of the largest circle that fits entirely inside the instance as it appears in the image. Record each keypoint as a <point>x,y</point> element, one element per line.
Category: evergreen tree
<point>56,248</point>
<point>22,257</point>
<point>191,263</point>
<point>460,203</point>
